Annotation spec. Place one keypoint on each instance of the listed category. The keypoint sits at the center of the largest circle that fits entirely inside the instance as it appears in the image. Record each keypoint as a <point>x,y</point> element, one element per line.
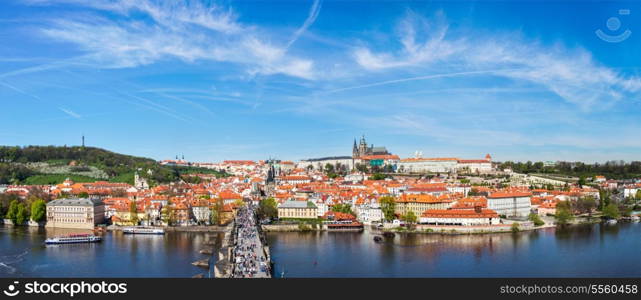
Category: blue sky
<point>214,80</point>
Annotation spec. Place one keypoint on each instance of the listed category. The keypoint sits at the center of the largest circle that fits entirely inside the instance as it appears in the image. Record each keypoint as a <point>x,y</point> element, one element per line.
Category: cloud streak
<point>313,14</point>
<point>186,30</point>
<point>70,113</point>
<point>572,74</point>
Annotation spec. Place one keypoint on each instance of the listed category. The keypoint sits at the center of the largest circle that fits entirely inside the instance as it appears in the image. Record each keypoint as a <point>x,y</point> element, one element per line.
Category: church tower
<point>355,150</point>
<point>362,147</point>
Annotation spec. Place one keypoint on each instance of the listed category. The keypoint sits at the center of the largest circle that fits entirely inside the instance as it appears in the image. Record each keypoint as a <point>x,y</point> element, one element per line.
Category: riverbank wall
<point>445,229</point>
<point>216,229</point>
<point>219,229</point>
<point>290,228</point>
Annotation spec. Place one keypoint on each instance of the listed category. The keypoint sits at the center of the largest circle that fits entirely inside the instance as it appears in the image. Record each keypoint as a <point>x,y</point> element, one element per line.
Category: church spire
<point>354,149</point>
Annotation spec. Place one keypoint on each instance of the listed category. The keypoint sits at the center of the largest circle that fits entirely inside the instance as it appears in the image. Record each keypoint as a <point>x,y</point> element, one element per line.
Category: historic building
<point>460,217</point>
<point>79,213</point>
<point>418,203</point>
<point>510,204</point>
<point>297,210</point>
<point>362,149</point>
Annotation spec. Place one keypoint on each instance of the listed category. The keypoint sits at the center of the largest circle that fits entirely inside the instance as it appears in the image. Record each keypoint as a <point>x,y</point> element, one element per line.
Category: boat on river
<point>73,239</point>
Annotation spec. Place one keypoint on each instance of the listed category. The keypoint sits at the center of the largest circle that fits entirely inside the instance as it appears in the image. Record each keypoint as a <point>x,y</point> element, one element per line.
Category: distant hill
<point>52,164</point>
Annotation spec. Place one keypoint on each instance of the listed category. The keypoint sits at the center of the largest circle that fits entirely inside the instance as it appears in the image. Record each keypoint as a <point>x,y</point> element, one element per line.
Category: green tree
<point>216,212</point>
<point>611,211</point>
<point>167,215</point>
<point>409,217</point>
<point>267,208</point>
<point>388,206</point>
<point>362,168</point>
<point>515,227</point>
<point>83,195</point>
<point>133,212</point>
<point>473,192</point>
<point>378,176</point>
<point>563,214</point>
<point>38,210</point>
<point>581,182</point>
<point>638,195</point>
<point>343,208</point>
<point>329,168</point>
<point>604,197</point>
<point>12,212</point>
<point>536,219</point>
<point>22,214</point>
<point>586,204</point>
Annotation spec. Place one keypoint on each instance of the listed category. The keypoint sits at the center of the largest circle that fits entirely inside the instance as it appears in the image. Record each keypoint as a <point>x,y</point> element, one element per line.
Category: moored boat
<point>611,222</point>
<point>345,226</point>
<point>73,239</point>
<point>143,230</point>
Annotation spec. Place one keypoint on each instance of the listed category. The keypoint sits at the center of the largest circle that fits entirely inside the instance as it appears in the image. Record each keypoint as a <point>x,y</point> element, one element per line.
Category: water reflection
<point>22,254</point>
<point>586,250</point>
<point>575,251</point>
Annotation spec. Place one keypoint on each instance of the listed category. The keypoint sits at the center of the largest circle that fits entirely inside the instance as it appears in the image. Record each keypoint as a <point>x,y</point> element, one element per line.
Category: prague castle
<point>362,149</point>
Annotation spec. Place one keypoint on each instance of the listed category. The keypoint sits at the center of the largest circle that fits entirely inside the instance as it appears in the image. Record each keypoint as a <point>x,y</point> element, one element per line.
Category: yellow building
<point>418,203</point>
<point>297,210</point>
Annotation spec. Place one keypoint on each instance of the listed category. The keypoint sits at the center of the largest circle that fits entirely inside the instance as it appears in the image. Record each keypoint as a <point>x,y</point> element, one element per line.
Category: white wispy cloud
<point>311,18</point>
<point>572,74</point>
<point>186,30</point>
<point>415,78</point>
<point>16,89</point>
<point>70,112</point>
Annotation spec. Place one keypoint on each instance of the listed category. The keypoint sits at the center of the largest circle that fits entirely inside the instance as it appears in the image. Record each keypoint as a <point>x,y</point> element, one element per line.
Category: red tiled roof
<point>509,194</point>
<point>459,213</point>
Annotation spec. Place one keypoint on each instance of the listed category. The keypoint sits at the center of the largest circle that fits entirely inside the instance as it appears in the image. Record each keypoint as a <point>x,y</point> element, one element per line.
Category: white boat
<point>143,230</point>
<point>73,239</point>
<point>611,222</point>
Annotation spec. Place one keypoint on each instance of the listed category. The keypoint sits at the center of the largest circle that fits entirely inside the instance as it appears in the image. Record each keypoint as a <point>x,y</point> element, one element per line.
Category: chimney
<point>477,209</point>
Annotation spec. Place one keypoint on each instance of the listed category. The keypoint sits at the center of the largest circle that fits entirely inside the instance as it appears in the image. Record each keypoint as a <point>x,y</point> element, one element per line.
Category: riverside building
<point>81,213</point>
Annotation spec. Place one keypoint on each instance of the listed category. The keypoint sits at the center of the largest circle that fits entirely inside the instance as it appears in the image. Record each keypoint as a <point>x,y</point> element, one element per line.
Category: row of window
<point>69,208</point>
<point>72,220</point>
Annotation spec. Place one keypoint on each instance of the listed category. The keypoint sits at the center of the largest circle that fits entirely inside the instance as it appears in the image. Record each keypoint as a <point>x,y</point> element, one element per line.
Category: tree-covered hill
<point>610,169</point>
<point>51,164</point>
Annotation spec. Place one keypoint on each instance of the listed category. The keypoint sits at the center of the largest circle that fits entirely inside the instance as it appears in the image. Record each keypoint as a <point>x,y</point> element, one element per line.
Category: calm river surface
<point>22,254</point>
<point>580,251</point>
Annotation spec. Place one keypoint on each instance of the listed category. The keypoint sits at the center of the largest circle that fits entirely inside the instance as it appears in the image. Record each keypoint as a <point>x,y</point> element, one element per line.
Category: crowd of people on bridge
<point>249,260</point>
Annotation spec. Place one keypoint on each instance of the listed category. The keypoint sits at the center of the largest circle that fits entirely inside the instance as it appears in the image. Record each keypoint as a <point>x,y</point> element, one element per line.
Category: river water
<point>579,251</point>
<point>22,254</point>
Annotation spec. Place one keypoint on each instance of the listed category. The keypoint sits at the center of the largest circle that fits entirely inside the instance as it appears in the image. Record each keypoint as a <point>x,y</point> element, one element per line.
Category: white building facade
<point>510,204</point>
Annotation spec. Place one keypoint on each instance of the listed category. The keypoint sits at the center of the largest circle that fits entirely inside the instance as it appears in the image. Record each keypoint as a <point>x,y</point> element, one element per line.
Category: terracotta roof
<point>459,213</point>
<point>509,194</point>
